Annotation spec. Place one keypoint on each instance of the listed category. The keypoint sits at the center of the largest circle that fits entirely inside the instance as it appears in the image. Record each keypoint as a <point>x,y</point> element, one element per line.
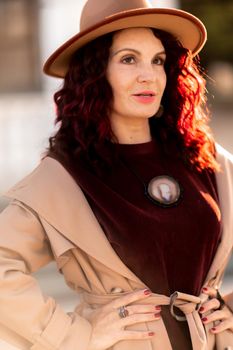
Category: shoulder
<point>225,175</point>
<point>224,157</point>
<point>223,152</point>
<point>48,186</point>
<point>48,172</point>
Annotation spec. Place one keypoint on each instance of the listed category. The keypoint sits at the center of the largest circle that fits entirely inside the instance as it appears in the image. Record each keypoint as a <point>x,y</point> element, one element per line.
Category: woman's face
<point>136,73</point>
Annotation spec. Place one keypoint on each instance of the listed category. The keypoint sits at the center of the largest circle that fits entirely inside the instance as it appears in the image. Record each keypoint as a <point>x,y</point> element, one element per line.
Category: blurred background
<point>29,32</point>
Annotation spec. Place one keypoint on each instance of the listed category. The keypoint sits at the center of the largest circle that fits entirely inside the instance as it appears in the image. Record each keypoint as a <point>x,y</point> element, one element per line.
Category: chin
<point>147,111</point>
<point>146,115</point>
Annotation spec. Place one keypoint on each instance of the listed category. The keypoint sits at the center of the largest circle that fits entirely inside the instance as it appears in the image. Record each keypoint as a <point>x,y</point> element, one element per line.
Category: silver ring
<point>123,312</point>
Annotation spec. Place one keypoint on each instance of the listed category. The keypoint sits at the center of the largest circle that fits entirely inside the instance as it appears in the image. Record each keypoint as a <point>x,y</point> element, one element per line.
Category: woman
<point>129,199</point>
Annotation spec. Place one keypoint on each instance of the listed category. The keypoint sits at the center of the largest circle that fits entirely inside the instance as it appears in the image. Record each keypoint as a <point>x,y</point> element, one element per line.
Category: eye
<point>128,60</point>
<point>159,61</point>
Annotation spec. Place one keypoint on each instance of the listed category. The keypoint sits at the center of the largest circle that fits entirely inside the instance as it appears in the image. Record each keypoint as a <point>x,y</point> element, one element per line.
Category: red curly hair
<point>85,100</point>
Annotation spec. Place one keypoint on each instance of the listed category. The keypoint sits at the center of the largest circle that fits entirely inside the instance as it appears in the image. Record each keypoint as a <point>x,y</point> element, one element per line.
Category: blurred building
<point>29,32</point>
<point>19,46</point>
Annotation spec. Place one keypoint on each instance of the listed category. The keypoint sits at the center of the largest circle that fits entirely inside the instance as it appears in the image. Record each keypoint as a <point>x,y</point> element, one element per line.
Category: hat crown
<point>95,11</point>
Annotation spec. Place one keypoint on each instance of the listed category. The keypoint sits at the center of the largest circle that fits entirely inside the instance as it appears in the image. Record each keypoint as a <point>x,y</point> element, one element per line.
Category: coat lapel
<point>63,205</point>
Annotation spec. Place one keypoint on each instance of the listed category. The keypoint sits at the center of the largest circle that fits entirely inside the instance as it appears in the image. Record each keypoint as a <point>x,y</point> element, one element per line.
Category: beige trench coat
<point>49,218</point>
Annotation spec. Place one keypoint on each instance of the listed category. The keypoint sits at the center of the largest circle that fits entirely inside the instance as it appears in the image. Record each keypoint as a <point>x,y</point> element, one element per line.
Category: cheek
<point>120,99</point>
<point>120,88</point>
<point>115,83</point>
<point>163,81</point>
<point>121,80</point>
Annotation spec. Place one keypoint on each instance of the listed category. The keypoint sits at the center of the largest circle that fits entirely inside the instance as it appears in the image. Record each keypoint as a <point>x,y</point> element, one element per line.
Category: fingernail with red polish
<point>205,289</point>
<point>213,329</point>
<point>147,291</point>
<point>157,315</point>
<point>151,333</point>
<point>201,309</point>
<point>204,319</point>
<point>157,308</point>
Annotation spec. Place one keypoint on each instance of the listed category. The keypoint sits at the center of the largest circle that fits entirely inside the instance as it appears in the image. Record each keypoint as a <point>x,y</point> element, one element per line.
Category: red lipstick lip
<point>146,92</point>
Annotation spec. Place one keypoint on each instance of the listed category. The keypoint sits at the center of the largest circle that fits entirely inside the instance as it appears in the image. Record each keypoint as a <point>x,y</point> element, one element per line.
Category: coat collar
<point>63,205</point>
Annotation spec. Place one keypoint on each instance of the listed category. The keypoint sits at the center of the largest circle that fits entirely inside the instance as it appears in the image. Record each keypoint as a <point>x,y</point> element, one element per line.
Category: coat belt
<point>187,303</point>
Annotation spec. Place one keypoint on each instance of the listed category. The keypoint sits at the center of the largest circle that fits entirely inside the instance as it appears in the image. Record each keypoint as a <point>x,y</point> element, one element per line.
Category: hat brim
<point>188,29</point>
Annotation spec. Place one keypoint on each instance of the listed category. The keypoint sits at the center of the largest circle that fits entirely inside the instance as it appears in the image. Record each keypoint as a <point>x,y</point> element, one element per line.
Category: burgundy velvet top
<point>169,249</point>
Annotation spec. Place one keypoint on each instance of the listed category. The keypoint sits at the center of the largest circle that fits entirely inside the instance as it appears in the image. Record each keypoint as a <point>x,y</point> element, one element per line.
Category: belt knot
<point>185,302</point>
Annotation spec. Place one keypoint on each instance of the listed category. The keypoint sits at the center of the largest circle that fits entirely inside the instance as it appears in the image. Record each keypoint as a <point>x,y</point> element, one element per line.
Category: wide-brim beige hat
<point>100,17</point>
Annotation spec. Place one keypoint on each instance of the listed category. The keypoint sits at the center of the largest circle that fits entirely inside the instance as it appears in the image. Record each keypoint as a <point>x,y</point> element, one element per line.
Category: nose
<point>146,73</point>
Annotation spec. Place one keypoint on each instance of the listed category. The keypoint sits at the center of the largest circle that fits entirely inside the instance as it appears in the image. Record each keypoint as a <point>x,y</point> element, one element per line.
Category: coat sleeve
<point>227,165</point>
<point>24,249</point>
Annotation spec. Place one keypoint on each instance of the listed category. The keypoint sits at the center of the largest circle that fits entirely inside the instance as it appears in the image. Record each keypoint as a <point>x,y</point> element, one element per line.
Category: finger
<point>128,299</point>
<point>140,309</point>
<point>137,309</point>
<point>138,318</point>
<point>211,304</point>
<point>127,335</point>
<point>222,326</point>
<point>218,315</point>
<point>212,292</point>
<point>215,316</point>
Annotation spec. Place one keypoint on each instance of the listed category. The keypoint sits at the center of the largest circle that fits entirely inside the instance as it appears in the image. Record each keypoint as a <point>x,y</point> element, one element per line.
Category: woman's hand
<point>224,314</point>
<point>108,327</point>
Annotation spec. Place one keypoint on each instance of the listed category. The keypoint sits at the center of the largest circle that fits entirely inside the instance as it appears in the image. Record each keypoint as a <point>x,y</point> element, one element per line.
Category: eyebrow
<point>136,51</point>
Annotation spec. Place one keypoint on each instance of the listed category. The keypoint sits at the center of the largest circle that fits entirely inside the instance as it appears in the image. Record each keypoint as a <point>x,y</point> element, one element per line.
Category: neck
<point>131,132</point>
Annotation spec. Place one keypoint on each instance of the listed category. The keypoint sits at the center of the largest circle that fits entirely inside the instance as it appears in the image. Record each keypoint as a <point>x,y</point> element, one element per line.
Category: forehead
<point>136,37</point>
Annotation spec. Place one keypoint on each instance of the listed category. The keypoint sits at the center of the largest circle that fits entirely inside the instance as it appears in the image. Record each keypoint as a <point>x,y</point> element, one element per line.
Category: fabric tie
<point>189,305</point>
